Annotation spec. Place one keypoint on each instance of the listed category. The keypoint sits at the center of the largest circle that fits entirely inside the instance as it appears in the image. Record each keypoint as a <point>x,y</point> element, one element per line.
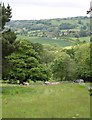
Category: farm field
<point>65,100</point>
<point>60,42</point>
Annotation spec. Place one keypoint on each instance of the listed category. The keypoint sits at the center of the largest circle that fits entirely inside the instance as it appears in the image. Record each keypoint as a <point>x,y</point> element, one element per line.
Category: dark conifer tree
<point>6,14</point>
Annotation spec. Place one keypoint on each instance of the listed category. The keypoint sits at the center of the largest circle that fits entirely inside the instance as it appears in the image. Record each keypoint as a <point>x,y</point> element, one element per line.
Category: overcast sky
<point>47,9</point>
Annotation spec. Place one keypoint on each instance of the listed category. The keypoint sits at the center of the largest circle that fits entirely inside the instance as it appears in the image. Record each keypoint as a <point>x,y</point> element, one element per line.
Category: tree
<point>39,49</point>
<point>66,26</point>
<point>83,61</point>
<point>80,22</point>
<point>83,33</point>
<point>6,14</point>
<point>25,63</point>
<point>70,52</point>
<point>63,68</point>
<point>8,38</point>
<point>49,53</point>
<point>40,73</point>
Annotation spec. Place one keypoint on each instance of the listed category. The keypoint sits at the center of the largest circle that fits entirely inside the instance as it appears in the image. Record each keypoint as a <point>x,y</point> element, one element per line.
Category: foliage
<point>39,49</point>
<point>6,14</point>
<point>65,26</point>
<point>82,58</point>
<point>63,68</point>
<point>8,38</point>
<point>84,33</point>
<point>25,63</point>
<point>52,28</point>
<point>40,73</point>
<point>70,52</point>
<point>23,60</point>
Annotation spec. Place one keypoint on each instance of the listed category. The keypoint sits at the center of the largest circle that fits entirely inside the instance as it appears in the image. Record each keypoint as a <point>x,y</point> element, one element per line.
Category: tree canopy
<point>25,63</point>
<point>63,67</point>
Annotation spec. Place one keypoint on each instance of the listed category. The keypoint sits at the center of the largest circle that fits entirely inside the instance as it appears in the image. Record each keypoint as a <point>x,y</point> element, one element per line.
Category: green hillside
<point>63,32</point>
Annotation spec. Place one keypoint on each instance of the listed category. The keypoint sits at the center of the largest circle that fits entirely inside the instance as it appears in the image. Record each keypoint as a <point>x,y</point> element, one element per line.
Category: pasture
<point>65,100</point>
<point>59,42</point>
<point>64,42</point>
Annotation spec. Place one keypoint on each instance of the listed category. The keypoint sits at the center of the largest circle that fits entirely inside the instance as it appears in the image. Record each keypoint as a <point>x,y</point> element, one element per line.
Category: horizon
<point>49,18</point>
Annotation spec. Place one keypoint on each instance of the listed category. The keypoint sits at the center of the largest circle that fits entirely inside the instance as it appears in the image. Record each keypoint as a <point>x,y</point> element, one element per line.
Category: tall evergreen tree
<point>8,37</point>
<point>6,14</point>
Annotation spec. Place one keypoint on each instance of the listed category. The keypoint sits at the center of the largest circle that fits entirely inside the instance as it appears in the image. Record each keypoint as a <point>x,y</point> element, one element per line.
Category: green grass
<point>87,39</point>
<point>46,101</point>
<point>59,42</point>
<point>63,42</point>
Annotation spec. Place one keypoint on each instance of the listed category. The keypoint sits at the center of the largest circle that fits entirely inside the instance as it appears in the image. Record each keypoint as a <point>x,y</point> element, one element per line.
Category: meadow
<point>87,39</point>
<point>58,42</point>
<point>65,100</point>
<point>63,42</point>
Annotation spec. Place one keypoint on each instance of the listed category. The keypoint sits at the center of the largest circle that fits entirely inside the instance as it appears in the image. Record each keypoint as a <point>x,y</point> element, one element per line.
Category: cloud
<point>41,9</point>
<point>48,3</point>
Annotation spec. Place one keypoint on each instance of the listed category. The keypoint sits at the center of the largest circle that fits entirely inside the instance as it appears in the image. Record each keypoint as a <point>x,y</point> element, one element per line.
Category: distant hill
<point>73,28</point>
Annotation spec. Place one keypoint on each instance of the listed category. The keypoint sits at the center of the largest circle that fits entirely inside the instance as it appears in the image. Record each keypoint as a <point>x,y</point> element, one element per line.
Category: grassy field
<point>64,42</point>
<point>59,42</point>
<point>87,39</point>
<point>65,100</point>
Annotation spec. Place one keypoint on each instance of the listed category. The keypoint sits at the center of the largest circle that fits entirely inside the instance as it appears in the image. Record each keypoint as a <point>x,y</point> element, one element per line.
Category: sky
<point>47,9</point>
